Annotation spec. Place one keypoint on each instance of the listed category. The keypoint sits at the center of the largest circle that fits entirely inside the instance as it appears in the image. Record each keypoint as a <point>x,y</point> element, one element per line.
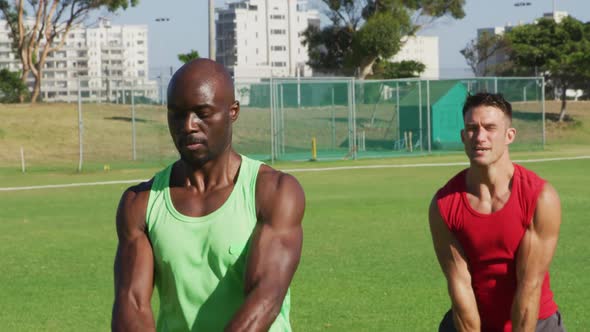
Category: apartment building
<point>262,38</point>
<point>423,49</point>
<point>105,63</point>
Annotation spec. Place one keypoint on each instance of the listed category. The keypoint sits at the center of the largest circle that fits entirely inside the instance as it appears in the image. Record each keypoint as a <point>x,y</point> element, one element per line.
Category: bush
<point>11,87</point>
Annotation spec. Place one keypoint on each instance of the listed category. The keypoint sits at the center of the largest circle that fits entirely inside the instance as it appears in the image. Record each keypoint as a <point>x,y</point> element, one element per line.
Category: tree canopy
<point>402,69</point>
<point>560,51</point>
<point>362,31</point>
<point>479,51</point>
<point>187,57</point>
<point>52,20</point>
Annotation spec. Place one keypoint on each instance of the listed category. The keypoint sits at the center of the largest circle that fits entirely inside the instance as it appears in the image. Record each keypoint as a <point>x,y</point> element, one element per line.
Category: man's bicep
<point>134,258</point>
<point>277,240</point>
<point>540,240</point>
<point>448,250</point>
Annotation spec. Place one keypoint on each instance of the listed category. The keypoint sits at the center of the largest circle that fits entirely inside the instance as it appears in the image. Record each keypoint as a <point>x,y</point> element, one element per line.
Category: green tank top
<point>200,261</point>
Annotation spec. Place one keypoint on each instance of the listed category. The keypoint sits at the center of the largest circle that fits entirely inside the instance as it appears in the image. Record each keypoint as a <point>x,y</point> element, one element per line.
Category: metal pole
<point>399,134</point>
<point>495,84</point>
<point>272,123</point>
<point>428,113</point>
<point>133,124</point>
<point>22,159</point>
<point>333,122</point>
<point>80,128</point>
<point>353,95</point>
<point>212,30</point>
<point>282,123</point>
<point>298,88</point>
<point>543,107</point>
<point>161,88</point>
<point>420,112</point>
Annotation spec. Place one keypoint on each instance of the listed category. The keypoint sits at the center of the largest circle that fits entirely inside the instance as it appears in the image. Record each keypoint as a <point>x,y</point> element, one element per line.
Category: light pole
<point>212,30</point>
<point>159,77</point>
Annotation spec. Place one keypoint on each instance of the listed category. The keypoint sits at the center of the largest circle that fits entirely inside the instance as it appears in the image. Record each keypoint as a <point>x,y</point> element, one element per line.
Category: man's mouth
<point>193,143</point>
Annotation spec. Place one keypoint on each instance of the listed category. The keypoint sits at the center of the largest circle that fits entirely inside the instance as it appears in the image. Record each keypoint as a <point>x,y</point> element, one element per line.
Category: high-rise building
<point>105,63</point>
<point>263,38</point>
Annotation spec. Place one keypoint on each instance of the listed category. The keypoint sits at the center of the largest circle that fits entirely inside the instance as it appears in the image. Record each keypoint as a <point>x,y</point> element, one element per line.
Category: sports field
<point>367,264</point>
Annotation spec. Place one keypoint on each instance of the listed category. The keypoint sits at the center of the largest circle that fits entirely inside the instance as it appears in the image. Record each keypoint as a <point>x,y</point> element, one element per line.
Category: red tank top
<point>490,243</point>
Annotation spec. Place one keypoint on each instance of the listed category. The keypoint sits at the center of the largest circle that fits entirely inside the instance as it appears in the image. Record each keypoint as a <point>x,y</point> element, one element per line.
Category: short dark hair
<point>487,99</point>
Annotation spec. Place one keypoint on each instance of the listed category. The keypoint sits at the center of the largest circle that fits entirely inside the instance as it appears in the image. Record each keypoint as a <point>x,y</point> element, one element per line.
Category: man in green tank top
<point>217,233</point>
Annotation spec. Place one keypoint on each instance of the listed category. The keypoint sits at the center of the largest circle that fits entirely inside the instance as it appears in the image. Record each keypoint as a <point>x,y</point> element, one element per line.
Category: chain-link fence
<point>280,119</point>
<point>347,118</point>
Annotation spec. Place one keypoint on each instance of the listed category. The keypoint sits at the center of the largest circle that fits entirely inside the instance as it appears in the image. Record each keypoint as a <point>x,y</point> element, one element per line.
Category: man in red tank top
<point>495,227</point>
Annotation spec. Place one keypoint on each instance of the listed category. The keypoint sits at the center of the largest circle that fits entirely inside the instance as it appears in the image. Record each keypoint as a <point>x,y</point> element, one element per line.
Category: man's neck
<point>493,180</point>
<point>215,173</point>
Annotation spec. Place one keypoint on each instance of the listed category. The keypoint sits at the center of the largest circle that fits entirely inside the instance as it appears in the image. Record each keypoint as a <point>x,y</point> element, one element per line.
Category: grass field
<point>367,264</point>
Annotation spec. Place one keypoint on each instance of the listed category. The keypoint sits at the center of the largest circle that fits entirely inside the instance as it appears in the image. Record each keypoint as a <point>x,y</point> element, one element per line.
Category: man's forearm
<point>257,313</point>
<point>525,307</point>
<point>465,313</point>
<point>129,317</point>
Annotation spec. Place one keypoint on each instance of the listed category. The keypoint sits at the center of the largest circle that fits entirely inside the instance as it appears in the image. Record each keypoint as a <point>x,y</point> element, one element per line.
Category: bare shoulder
<point>548,194</point>
<point>133,205</point>
<point>278,192</point>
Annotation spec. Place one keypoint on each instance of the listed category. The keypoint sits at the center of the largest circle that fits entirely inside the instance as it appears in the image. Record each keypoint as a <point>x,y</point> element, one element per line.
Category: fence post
<point>543,107</point>
<point>354,152</point>
<point>419,112</point>
<point>272,121</point>
<point>428,127</point>
<point>80,128</point>
<point>333,122</point>
<point>399,134</point>
<point>133,140</point>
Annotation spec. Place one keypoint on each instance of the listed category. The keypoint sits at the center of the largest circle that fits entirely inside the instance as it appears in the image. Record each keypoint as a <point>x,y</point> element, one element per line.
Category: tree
<point>479,51</point>
<point>52,20</point>
<point>11,87</point>
<point>187,57</point>
<point>560,51</point>
<point>402,69</point>
<point>363,31</point>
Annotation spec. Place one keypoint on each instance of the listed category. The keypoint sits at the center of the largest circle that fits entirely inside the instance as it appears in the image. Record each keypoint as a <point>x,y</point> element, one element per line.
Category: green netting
<point>349,118</point>
<point>279,118</point>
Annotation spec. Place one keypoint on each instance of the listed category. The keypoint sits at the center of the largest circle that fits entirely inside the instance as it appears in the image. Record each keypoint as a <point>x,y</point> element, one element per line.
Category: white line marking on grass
<point>66,185</point>
<point>296,170</point>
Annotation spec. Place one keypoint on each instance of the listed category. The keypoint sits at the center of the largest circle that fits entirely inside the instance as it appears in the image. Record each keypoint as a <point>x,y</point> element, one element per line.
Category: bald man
<point>217,233</point>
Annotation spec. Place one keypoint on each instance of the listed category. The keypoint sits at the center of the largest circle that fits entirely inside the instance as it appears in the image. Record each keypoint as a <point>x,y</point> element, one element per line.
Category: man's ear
<point>234,111</point>
<point>510,135</point>
<point>462,134</point>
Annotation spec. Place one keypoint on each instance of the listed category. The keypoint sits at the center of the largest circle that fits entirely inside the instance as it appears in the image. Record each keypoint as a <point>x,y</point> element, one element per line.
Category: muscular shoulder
<point>133,205</point>
<point>277,191</point>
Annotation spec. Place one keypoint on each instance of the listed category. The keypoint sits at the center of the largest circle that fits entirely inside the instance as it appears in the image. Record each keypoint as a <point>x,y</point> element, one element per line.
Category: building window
<point>277,17</point>
<point>278,48</point>
<point>279,64</point>
<point>277,31</point>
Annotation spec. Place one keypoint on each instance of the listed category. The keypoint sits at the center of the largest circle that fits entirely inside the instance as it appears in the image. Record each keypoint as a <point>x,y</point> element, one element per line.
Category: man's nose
<point>192,122</point>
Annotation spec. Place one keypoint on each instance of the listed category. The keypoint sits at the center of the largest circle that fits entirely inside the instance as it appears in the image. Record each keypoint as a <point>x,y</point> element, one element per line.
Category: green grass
<point>48,133</point>
<point>367,263</point>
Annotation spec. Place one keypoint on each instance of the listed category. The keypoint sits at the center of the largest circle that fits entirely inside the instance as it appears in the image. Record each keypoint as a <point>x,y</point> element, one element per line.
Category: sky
<point>187,27</point>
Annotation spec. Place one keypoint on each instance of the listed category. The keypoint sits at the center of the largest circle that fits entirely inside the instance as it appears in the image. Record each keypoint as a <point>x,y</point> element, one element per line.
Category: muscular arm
<point>454,265</point>
<point>274,253</point>
<point>533,259</point>
<point>133,266</point>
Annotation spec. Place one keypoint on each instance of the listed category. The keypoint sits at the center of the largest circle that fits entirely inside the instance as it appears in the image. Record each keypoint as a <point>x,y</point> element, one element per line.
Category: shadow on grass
<point>537,116</point>
<point>127,119</point>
